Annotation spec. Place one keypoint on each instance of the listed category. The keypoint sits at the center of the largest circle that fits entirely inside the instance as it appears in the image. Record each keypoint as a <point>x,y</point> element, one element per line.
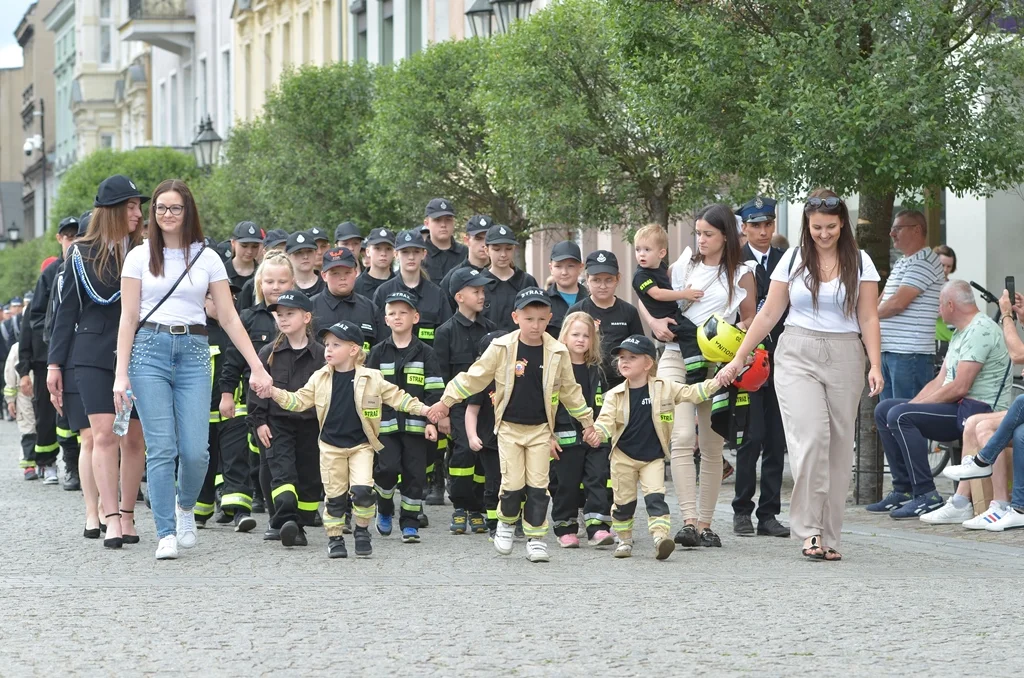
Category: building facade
<point>37,120</point>
<point>96,72</point>
<point>60,22</point>
<point>271,36</point>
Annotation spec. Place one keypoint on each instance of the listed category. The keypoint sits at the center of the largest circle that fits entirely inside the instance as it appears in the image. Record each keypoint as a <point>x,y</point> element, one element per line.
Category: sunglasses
<point>827,203</point>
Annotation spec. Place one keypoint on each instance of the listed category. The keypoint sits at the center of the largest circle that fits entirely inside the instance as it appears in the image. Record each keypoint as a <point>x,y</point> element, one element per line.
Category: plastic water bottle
<point>121,420</point>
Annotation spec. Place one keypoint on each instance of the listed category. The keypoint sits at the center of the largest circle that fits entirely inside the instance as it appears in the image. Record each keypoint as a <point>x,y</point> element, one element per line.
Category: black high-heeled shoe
<point>93,533</point>
<point>130,538</point>
<point>113,542</point>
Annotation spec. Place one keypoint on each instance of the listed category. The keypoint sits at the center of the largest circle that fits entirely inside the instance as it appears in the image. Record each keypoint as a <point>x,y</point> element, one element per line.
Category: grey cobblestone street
<point>906,600</point>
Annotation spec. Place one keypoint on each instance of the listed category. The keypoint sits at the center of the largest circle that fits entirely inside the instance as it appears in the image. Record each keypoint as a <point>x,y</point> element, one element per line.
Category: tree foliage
<point>302,162</point>
<point>428,134</point>
<point>581,139</point>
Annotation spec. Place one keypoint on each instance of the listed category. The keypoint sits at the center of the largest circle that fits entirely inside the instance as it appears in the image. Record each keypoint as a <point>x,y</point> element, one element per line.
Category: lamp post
<point>507,11</point>
<point>13,234</point>
<point>206,145</point>
<point>480,17</point>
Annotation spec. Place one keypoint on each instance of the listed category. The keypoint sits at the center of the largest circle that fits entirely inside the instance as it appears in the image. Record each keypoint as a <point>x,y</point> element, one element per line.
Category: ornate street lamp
<point>507,11</point>
<point>207,145</point>
<point>480,15</point>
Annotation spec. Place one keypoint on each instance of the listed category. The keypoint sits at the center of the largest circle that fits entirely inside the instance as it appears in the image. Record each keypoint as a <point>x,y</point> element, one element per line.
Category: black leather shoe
<point>72,483</point>
<point>687,536</point>
<point>300,538</point>
<point>318,520</point>
<point>771,527</point>
<point>258,506</point>
<point>288,533</point>
<point>364,547</point>
<point>742,525</point>
<point>272,534</point>
<point>336,548</point>
<point>435,493</point>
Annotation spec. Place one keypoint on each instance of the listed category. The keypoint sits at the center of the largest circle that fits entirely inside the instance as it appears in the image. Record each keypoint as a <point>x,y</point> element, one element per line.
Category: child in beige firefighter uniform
<point>348,399</point>
<point>532,373</point>
<point>637,417</point>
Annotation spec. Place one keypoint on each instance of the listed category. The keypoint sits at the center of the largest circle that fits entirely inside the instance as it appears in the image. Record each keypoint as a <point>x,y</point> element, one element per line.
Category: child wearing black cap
<point>508,280</point>
<point>380,248</point>
<point>475,239</point>
<point>432,305</point>
<point>637,420</point>
<point>532,374</point>
<point>323,243</point>
<point>565,289</point>
<point>615,318</point>
<point>456,347</point>
<point>348,399</point>
<point>302,250</point>
<point>409,441</point>
<point>443,253</point>
<point>288,438</point>
<point>339,300</point>
<point>348,235</point>
<point>246,240</point>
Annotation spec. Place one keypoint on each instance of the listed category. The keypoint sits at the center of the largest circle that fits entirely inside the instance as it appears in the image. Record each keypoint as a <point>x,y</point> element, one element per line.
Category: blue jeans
<point>905,430</point>
<point>906,374</point>
<point>171,377</point>
<point>1010,428</point>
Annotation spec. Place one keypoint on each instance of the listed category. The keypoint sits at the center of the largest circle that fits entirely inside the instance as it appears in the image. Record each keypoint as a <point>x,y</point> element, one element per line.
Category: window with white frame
<point>359,30</point>
<point>165,136</point>
<point>106,32</point>
<point>226,114</point>
<point>202,108</point>
<point>413,26</point>
<point>306,38</point>
<point>188,96</point>
<point>328,28</point>
<point>174,109</point>
<point>286,45</point>
<point>387,32</point>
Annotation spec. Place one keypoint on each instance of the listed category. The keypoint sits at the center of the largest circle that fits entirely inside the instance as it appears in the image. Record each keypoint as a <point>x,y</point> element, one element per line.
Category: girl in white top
<point>718,281</point>
<point>168,357</point>
<point>831,290</point>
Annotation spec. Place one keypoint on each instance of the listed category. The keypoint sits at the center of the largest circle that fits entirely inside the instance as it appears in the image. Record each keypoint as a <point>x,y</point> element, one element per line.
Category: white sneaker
<point>1010,520</point>
<point>995,512</point>
<point>948,514</point>
<point>504,536</point>
<point>663,547</point>
<point>967,470</point>
<point>537,551</point>
<point>187,534</point>
<point>167,549</point>
<point>50,476</point>
<point>624,549</point>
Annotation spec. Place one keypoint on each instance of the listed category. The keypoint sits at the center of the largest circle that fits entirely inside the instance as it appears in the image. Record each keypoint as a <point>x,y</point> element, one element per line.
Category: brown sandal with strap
<point>832,555</point>
<point>814,550</point>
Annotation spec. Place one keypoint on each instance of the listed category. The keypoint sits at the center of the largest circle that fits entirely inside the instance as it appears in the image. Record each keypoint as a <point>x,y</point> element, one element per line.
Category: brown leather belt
<point>177,329</point>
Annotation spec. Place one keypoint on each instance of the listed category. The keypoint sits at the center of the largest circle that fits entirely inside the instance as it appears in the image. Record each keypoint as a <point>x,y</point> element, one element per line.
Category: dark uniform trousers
<point>52,431</point>
<point>403,455</point>
<point>466,475</point>
<point>487,458</point>
<point>765,438</point>
<point>293,462</point>
<point>581,466</point>
<point>228,459</point>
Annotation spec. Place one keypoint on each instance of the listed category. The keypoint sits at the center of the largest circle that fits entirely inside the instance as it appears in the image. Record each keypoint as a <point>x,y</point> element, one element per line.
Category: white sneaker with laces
<point>537,551</point>
<point>995,512</point>
<point>1010,520</point>
<point>967,470</point>
<point>50,476</point>
<point>948,514</point>
<point>186,528</point>
<point>504,537</point>
<point>167,548</point>
<point>624,549</point>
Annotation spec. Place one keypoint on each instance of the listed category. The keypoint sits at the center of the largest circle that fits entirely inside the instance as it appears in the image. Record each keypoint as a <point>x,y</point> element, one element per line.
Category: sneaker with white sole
<point>1010,520</point>
<point>949,514</point>
<point>624,549</point>
<point>663,547</point>
<point>995,511</point>
<point>967,470</point>
<point>504,537</point>
<point>167,548</point>
<point>50,475</point>
<point>537,551</point>
<point>186,527</point>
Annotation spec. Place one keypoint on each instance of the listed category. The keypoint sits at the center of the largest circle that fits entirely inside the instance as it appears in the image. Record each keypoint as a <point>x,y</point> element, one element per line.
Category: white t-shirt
<point>187,305</point>
<point>711,279</point>
<point>830,316</point>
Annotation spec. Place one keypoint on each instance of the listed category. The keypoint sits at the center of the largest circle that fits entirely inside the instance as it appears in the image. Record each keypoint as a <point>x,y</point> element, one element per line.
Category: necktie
<point>764,260</point>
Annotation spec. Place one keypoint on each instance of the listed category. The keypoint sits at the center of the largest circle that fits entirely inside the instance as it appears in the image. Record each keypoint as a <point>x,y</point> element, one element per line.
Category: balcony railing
<point>159,9</point>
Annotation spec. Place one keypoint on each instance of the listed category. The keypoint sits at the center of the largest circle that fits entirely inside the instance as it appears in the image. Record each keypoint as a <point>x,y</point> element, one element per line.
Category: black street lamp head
<point>14,234</point>
<point>481,16</point>
<point>207,144</point>
<point>508,11</point>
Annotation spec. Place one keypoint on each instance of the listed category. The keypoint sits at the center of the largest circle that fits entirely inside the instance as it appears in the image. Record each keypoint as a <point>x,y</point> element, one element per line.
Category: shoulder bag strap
<point>1002,384</point>
<point>173,287</point>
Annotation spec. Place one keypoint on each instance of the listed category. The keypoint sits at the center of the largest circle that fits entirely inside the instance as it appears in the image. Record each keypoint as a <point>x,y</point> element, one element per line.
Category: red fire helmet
<point>753,376</point>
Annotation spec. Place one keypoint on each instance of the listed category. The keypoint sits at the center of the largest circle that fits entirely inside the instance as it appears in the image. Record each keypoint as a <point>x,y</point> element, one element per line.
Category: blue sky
<point>10,52</point>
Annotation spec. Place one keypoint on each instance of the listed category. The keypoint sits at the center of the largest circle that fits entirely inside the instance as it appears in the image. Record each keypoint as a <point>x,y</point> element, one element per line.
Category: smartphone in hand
<point>1013,294</point>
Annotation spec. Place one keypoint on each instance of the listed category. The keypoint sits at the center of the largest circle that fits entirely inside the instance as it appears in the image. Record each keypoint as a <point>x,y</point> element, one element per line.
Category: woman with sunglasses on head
<point>831,290</point>
<point>83,343</point>
<point>163,351</point>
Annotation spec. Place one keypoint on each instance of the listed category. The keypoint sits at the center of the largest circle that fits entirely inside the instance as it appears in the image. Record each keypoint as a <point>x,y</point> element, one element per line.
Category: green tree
<point>428,136</point>
<point>581,139</point>
<point>883,98</point>
<point>301,163</point>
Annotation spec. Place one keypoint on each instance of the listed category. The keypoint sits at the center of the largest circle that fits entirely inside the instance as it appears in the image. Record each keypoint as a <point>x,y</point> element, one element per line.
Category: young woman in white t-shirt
<point>831,290</point>
<point>167,359</point>
<point>720,283</point>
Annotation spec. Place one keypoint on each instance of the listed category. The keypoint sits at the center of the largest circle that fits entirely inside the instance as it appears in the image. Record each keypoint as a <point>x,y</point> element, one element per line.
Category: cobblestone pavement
<point>906,600</point>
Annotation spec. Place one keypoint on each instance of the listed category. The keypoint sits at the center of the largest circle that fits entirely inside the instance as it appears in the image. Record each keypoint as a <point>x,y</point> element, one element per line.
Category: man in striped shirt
<point>908,308</point>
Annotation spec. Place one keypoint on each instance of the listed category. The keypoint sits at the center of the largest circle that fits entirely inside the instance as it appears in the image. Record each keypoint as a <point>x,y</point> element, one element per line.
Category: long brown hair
<point>104,241</point>
<point>593,355</point>
<point>848,254</point>
<point>191,229</point>
<point>721,217</point>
